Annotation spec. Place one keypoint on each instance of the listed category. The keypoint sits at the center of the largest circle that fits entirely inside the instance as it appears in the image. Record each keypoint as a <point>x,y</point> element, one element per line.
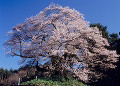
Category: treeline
<point>10,77</point>
<point>5,73</point>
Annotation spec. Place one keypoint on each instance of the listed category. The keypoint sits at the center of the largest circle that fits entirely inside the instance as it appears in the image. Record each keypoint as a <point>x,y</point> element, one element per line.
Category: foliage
<point>24,73</point>
<point>114,42</point>
<point>62,37</point>
<point>103,29</point>
<point>4,73</point>
<point>54,81</point>
<point>112,76</point>
<point>113,38</point>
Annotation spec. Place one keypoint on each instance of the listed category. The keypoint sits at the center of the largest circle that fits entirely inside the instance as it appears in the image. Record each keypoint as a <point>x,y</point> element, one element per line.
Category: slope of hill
<point>54,81</point>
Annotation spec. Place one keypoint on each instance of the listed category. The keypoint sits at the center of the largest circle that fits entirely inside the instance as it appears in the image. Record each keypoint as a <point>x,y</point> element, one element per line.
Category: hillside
<point>54,81</point>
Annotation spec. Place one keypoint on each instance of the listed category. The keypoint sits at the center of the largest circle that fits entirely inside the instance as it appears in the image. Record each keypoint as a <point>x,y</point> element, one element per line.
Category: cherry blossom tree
<point>62,35</point>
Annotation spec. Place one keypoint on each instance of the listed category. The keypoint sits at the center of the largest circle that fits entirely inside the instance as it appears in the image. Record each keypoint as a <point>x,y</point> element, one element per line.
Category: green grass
<point>54,81</point>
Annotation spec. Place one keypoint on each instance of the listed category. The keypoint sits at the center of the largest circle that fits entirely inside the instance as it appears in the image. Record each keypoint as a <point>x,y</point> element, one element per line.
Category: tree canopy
<point>105,33</point>
<point>61,35</point>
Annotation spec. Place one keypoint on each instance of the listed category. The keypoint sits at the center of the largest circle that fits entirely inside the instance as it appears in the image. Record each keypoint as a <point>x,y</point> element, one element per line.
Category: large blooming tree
<point>63,36</point>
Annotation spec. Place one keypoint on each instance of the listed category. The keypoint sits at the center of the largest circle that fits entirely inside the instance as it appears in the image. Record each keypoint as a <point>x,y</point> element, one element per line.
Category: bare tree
<point>63,36</point>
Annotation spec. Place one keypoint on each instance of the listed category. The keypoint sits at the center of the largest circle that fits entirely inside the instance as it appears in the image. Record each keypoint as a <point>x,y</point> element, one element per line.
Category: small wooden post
<point>36,77</point>
<point>18,81</point>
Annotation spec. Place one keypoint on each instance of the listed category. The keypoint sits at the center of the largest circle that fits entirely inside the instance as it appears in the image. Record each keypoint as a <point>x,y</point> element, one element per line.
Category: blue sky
<point>13,12</point>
